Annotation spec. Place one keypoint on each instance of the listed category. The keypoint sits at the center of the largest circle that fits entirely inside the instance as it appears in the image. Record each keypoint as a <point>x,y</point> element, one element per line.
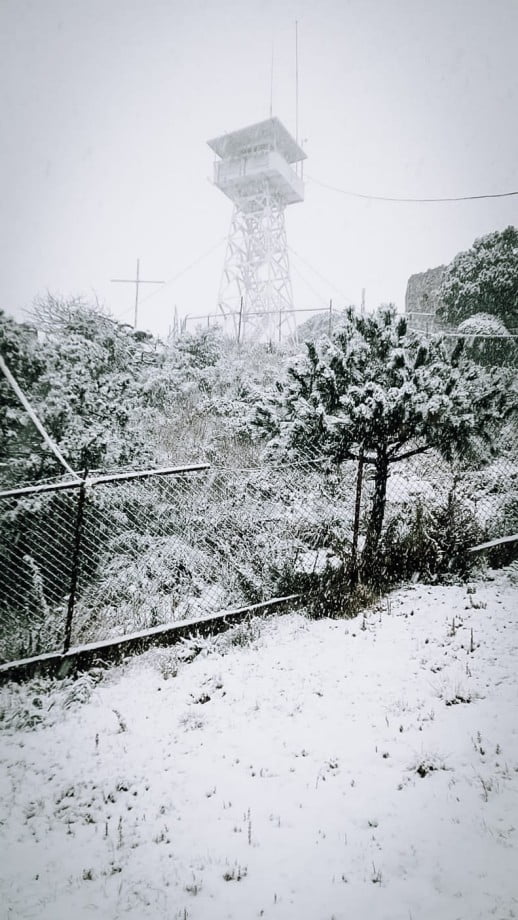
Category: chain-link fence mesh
<point>437,510</point>
<point>86,564</point>
<point>184,546</point>
<point>140,554</point>
<point>36,556</point>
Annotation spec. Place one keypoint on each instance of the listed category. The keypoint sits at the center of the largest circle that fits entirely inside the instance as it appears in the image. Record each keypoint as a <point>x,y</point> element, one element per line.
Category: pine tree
<point>376,392</point>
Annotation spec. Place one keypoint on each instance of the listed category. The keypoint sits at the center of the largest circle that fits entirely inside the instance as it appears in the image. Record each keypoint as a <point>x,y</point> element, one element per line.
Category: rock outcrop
<point>422,299</point>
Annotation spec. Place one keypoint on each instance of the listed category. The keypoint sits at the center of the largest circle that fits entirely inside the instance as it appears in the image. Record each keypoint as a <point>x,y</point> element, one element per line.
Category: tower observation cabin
<point>260,168</point>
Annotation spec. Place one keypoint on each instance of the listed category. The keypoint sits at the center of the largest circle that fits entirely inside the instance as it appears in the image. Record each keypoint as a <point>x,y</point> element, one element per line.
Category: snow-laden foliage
<point>320,326</point>
<point>483,324</point>
<point>428,539</point>
<point>202,396</point>
<point>88,394</point>
<point>484,279</point>
<point>378,393</point>
<point>251,528</point>
<point>18,437</point>
<point>81,373</point>
<point>488,341</point>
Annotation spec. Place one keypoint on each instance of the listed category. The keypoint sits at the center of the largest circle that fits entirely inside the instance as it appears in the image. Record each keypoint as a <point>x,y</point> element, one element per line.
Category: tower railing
<point>283,179</point>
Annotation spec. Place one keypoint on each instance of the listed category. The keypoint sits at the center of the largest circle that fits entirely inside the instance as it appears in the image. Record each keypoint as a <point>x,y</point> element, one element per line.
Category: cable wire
<point>342,191</point>
<point>308,284</point>
<point>319,274</point>
<point>187,268</point>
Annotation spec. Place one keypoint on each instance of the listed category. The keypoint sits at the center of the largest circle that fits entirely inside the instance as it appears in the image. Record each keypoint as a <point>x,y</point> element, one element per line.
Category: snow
<point>294,769</point>
<point>480,324</point>
<point>403,487</point>
<point>316,561</point>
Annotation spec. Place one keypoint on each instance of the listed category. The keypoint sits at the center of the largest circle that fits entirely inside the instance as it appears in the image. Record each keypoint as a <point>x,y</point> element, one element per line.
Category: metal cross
<point>137,282</point>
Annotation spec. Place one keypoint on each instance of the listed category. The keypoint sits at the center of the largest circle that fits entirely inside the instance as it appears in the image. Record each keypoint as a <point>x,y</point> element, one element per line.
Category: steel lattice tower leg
<point>256,292</point>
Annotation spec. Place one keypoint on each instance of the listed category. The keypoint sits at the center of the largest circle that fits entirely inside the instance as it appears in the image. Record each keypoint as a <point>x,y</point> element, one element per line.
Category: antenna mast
<point>137,282</point>
<point>296,81</point>
<point>271,84</point>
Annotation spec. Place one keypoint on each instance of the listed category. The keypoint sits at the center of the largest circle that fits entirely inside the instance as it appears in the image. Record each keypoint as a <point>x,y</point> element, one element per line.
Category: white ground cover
<point>345,769</point>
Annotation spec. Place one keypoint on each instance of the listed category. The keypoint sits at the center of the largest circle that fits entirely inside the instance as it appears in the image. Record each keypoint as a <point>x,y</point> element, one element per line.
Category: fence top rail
<point>98,480</point>
<point>497,542</point>
<point>147,474</point>
<point>475,335</point>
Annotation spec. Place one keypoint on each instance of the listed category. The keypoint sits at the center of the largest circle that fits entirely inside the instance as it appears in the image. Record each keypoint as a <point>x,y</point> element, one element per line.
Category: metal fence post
<point>240,322</point>
<point>353,572</point>
<point>74,575</point>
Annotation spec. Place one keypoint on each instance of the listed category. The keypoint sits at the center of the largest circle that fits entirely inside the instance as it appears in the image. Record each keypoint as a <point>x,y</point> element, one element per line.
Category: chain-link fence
<point>117,555</point>
<point>437,510</point>
<point>109,558</point>
<point>100,557</point>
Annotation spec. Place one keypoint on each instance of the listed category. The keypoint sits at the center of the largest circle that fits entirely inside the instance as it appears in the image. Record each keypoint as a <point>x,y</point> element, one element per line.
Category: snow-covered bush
<point>428,539</point>
<point>159,550</point>
<point>484,279</point>
<point>488,341</point>
<point>377,394</point>
<point>503,523</point>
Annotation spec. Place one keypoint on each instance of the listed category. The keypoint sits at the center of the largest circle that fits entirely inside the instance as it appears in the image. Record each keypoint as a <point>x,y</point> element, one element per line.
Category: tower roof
<point>271,132</point>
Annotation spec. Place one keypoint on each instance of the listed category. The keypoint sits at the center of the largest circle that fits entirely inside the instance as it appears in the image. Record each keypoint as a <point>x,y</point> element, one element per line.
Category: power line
<point>318,274</point>
<point>318,295</point>
<point>187,268</point>
<point>342,191</point>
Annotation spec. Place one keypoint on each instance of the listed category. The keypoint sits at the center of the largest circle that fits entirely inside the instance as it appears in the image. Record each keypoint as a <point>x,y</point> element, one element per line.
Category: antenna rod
<point>137,285</point>
<point>296,81</point>
<point>137,282</point>
<point>271,84</point>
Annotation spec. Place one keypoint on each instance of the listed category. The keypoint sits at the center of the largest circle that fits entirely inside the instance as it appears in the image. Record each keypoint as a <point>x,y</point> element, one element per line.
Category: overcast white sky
<point>107,106</point>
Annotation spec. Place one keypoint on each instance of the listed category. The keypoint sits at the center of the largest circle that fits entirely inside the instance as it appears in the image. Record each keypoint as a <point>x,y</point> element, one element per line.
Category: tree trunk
<point>377,514</point>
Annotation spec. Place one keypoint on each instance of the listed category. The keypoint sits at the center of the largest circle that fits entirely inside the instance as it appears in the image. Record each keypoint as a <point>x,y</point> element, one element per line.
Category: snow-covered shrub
<point>36,552</point>
<point>43,701</point>
<point>489,342</point>
<point>484,279</point>
<point>379,395</point>
<point>503,523</point>
<point>165,580</point>
<point>492,493</point>
<point>512,572</point>
<point>428,539</point>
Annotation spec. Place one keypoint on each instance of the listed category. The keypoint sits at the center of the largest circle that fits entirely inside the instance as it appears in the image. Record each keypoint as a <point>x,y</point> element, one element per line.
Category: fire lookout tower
<point>260,168</point>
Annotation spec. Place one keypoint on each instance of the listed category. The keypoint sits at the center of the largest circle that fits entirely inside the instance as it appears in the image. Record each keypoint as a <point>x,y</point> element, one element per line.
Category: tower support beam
<point>256,275</point>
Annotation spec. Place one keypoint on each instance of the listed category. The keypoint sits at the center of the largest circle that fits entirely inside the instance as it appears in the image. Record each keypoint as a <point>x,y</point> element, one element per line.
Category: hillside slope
<point>295,770</point>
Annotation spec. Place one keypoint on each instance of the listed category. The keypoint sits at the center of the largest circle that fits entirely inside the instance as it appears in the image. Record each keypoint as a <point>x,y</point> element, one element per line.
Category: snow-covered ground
<point>343,769</point>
